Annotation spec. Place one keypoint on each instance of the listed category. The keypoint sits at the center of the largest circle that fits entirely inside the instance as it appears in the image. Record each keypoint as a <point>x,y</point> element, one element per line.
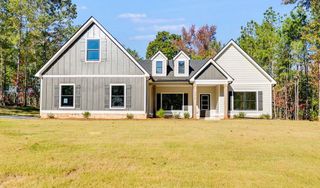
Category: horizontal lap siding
<point>113,60</point>
<point>267,95</point>
<point>93,92</point>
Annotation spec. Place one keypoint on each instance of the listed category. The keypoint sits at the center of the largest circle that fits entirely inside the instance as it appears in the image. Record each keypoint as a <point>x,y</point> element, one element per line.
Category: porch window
<point>159,67</point>
<point>117,96</point>
<point>172,101</point>
<point>66,96</point>
<point>245,101</point>
<point>93,50</point>
<point>181,67</point>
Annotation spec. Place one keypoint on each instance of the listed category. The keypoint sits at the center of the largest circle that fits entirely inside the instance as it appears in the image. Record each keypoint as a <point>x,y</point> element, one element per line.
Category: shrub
<point>241,115</point>
<point>130,116</point>
<point>160,113</point>
<point>50,116</point>
<point>264,116</point>
<point>186,115</point>
<point>176,115</point>
<point>86,115</point>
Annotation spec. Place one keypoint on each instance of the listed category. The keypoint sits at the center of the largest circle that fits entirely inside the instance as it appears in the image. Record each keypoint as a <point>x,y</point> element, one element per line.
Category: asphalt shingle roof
<point>194,66</point>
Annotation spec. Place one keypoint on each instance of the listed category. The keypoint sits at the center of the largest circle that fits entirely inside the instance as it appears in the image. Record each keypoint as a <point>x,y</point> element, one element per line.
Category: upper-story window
<point>181,67</point>
<point>159,65</point>
<point>93,50</point>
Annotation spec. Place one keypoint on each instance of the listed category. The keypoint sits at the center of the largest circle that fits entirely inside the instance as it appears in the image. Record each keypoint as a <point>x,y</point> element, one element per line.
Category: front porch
<point>202,100</point>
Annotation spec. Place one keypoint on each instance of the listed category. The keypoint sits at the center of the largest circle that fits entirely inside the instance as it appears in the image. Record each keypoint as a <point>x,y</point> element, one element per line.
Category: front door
<point>204,105</point>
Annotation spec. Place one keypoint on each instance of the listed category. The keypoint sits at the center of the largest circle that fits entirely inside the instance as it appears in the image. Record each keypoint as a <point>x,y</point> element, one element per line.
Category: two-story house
<point>94,73</point>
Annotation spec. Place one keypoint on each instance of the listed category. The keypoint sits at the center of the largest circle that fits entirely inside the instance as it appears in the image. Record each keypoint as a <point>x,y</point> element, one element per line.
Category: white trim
<point>124,99</point>
<point>92,112</point>
<point>74,95</point>
<point>210,82</point>
<point>229,79</point>
<point>145,95</point>
<point>86,50</point>
<point>237,83</point>
<point>77,35</point>
<point>181,52</point>
<point>246,56</point>
<point>92,76</point>
<point>157,54</point>
<point>41,84</point>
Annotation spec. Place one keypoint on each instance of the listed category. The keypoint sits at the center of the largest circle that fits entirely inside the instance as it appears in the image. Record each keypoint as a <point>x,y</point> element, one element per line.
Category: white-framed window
<point>67,96</point>
<point>181,67</point>
<point>159,67</point>
<point>117,96</point>
<point>93,51</point>
<point>245,100</point>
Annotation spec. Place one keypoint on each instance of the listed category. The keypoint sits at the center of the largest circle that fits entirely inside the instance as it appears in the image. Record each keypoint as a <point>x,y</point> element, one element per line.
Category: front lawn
<point>159,153</point>
<point>19,111</point>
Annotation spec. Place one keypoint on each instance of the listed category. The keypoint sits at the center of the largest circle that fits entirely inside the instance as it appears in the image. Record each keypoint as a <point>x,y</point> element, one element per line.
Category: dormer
<point>181,64</point>
<point>159,64</point>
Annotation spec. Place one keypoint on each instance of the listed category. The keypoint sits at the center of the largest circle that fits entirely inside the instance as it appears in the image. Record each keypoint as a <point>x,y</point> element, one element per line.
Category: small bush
<point>176,115</point>
<point>50,116</point>
<point>186,115</point>
<point>130,116</point>
<point>264,116</point>
<point>160,113</point>
<point>241,115</point>
<point>86,115</point>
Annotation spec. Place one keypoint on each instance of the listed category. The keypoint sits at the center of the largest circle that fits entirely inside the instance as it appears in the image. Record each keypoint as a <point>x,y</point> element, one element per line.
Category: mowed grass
<point>159,153</point>
<point>19,111</point>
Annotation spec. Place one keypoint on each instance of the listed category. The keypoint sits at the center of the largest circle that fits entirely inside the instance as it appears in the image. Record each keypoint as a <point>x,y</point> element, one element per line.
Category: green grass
<point>19,111</point>
<point>159,153</point>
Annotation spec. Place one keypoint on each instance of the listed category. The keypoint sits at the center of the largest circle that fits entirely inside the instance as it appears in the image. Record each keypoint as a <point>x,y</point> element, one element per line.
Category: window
<point>93,50</point>
<point>159,67</point>
<point>245,101</point>
<point>67,96</point>
<point>117,96</point>
<point>172,101</point>
<point>181,67</point>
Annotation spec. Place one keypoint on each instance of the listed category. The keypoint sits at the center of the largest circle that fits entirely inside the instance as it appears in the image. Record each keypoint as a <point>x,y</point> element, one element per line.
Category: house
<point>94,73</point>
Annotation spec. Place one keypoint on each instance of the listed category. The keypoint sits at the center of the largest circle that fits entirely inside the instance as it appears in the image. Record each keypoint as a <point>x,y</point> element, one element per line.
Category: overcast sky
<point>135,22</point>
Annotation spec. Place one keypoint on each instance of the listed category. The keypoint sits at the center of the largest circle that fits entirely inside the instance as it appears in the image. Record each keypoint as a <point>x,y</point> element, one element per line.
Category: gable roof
<point>253,62</point>
<point>82,29</point>
<point>159,53</point>
<point>211,61</point>
<point>181,52</point>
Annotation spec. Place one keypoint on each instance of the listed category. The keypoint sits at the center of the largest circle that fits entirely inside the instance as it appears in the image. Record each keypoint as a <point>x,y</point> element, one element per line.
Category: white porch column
<point>225,96</point>
<point>194,101</point>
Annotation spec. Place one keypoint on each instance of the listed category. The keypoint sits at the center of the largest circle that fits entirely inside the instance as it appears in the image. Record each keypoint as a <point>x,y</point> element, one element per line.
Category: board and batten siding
<point>93,93</point>
<point>113,60</point>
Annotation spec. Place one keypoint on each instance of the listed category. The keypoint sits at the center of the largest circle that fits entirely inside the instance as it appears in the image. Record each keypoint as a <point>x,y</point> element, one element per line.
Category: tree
<point>134,54</point>
<point>164,42</point>
<point>201,43</point>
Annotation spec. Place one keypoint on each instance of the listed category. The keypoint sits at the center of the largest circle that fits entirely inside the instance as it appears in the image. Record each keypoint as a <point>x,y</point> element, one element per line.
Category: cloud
<point>170,28</point>
<point>132,16</point>
<point>142,18</point>
<point>82,7</point>
<point>142,37</point>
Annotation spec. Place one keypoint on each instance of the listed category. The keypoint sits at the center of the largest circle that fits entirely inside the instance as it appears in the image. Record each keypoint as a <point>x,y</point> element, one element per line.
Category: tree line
<point>286,46</point>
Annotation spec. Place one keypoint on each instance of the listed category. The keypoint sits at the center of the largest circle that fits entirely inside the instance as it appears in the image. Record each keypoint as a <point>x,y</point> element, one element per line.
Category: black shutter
<point>78,96</point>
<point>185,102</point>
<point>128,96</point>
<point>106,96</point>
<point>230,100</point>
<point>158,101</point>
<point>260,100</point>
<point>56,96</point>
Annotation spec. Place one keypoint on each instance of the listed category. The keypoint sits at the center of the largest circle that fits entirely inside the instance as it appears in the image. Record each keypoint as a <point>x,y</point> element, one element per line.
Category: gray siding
<point>113,60</point>
<point>93,92</point>
<point>211,73</point>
